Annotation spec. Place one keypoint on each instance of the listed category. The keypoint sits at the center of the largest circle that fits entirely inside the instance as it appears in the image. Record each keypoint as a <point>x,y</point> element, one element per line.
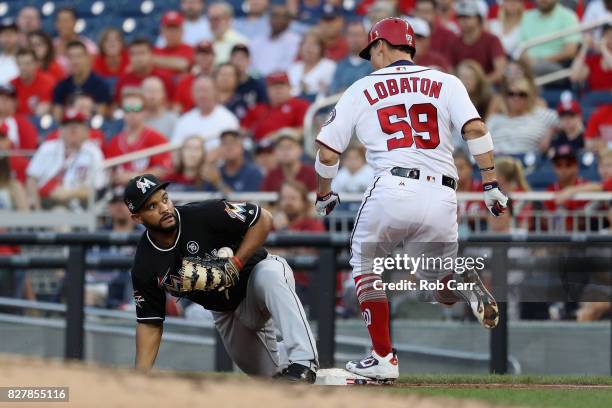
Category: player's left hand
<point>325,204</point>
<point>495,200</point>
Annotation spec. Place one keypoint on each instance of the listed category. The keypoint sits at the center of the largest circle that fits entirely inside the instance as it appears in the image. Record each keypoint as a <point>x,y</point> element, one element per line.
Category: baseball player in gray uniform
<point>249,291</point>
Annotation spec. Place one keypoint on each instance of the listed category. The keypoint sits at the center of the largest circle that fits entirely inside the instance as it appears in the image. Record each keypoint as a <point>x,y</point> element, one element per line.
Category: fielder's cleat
<point>482,303</point>
<point>297,373</point>
<point>384,369</point>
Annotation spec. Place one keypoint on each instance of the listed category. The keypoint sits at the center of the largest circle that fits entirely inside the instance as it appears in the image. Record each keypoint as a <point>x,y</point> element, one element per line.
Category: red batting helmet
<point>395,30</point>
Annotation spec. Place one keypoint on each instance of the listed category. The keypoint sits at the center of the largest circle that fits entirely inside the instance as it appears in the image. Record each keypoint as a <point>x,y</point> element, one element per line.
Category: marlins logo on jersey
<point>236,210</point>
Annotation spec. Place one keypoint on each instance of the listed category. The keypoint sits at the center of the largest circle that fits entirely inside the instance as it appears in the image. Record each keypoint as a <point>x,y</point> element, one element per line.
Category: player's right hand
<point>326,203</point>
<point>495,200</point>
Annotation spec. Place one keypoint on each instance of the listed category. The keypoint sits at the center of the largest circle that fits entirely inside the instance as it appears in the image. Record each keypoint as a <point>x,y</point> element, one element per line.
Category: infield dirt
<point>93,386</point>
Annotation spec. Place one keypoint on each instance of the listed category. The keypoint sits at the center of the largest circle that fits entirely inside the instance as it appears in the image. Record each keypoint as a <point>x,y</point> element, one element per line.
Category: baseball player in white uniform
<point>404,115</point>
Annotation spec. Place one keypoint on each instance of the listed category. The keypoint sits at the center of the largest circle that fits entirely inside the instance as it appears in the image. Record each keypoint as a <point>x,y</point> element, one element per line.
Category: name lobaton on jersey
<point>405,115</point>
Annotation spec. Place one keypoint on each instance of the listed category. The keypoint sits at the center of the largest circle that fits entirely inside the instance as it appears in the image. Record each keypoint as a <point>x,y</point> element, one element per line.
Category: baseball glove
<point>207,274</point>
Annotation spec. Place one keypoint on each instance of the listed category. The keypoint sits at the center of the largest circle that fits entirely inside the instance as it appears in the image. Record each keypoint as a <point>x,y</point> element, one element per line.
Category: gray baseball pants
<point>249,332</point>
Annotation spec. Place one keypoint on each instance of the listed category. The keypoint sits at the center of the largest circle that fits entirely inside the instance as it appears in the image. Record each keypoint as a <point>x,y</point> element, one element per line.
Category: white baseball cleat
<point>482,303</point>
<point>377,367</point>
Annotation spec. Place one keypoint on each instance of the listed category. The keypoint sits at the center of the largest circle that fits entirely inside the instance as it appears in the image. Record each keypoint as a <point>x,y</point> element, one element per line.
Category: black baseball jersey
<point>203,228</point>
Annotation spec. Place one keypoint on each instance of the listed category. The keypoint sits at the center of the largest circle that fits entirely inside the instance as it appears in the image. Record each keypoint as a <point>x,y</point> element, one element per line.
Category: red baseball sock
<point>375,310</point>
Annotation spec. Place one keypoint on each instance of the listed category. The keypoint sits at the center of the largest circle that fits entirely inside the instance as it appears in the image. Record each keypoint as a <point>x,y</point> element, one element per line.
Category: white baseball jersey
<point>404,115</point>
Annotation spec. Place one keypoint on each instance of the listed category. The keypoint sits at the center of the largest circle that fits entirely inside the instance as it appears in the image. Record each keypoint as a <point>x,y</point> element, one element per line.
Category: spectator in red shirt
<point>295,214</point>
<point>190,168</point>
<point>204,65</point>
<point>83,104</point>
<point>604,167</point>
<point>598,134</point>
<point>136,136</point>
<point>42,44</point>
<point>175,56</point>
<point>511,178</point>
<point>65,26</point>
<point>476,43</point>
<point>34,88</point>
<point>467,184</point>
<point>141,67</point>
<point>426,56</point>
<point>20,132</point>
<point>288,150</point>
<point>332,27</point>
<point>282,111</point>
<point>441,38</point>
<point>113,59</point>
<point>595,70</point>
<point>565,163</point>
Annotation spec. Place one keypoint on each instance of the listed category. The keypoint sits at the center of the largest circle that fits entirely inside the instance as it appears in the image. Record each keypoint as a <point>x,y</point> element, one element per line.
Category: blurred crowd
<point>232,86</point>
<point>231,83</point>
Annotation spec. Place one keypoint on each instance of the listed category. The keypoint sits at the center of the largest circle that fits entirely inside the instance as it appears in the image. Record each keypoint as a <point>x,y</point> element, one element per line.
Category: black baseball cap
<point>139,189</point>
<point>564,151</point>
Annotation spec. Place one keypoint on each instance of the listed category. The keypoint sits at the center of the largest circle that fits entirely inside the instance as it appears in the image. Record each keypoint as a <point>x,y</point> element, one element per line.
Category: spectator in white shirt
<point>63,171</point>
<point>9,42</point>
<point>28,21</point>
<point>157,114</point>
<point>597,10</point>
<point>221,15</point>
<point>276,51</point>
<point>311,76</point>
<point>196,27</point>
<point>355,175</point>
<point>508,23</point>
<point>523,126</point>
<point>208,119</point>
<point>257,21</point>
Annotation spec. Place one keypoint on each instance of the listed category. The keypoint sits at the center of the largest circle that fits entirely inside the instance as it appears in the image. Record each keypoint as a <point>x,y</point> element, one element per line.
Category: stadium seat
<point>44,125</point>
<point>542,176</point>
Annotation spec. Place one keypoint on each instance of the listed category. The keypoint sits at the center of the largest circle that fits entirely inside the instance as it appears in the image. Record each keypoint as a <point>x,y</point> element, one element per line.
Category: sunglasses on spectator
<point>132,108</point>
<point>520,94</point>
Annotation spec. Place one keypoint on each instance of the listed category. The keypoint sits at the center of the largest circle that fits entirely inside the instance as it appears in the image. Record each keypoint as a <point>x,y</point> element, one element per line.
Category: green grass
<point>524,397</point>
<point>504,379</point>
<point>540,398</point>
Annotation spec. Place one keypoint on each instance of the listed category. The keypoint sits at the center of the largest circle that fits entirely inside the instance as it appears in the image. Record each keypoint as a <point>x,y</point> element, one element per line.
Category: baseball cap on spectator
<point>8,25</point>
<point>240,48</point>
<point>265,145</point>
<point>419,26</point>
<point>8,90</point>
<point>331,12</point>
<point>233,133</point>
<point>277,78</point>
<point>569,107</point>
<point>172,18</point>
<point>289,134</point>
<point>564,151</point>
<point>471,8</point>
<point>73,116</point>
<point>205,46</point>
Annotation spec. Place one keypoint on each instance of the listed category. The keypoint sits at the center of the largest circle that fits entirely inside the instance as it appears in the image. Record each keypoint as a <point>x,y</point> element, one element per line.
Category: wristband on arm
<point>480,145</point>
